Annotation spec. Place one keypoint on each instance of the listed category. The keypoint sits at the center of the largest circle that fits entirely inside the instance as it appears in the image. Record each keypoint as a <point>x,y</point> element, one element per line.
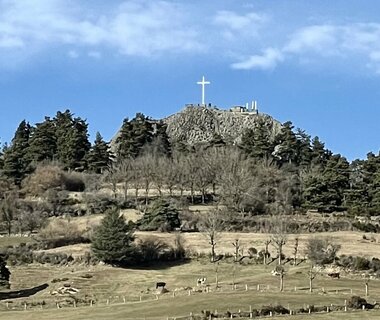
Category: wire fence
<point>74,301</point>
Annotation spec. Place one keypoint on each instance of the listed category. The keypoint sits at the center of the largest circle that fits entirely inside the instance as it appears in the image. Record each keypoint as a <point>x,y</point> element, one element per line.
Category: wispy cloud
<point>132,28</point>
<point>325,43</point>
<point>240,36</point>
<point>266,61</point>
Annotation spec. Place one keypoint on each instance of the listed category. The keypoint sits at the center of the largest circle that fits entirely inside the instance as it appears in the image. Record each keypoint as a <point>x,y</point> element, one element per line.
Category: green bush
<point>161,216</point>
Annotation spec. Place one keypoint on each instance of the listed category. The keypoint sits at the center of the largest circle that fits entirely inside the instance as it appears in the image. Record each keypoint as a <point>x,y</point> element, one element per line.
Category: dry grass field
<point>102,283</point>
<point>108,287</point>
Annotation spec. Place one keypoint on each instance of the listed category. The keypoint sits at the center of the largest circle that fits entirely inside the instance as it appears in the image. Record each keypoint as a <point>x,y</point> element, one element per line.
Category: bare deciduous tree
<point>279,235</point>
<point>296,245</point>
<point>236,245</point>
<point>211,225</point>
<point>312,274</point>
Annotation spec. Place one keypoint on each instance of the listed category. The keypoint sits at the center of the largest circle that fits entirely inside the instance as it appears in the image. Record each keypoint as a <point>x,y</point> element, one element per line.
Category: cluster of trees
<point>261,174</point>
<point>63,138</point>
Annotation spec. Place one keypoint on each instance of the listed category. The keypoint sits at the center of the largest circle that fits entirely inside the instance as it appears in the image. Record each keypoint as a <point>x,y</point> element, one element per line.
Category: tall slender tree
<point>99,156</point>
<point>15,160</point>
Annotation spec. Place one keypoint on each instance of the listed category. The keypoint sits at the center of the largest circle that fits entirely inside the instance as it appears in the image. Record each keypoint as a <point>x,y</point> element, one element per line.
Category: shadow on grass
<point>24,293</point>
<point>156,265</point>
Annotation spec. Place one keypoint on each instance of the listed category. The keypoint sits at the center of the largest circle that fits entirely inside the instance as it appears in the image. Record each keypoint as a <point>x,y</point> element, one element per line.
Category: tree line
<point>288,172</point>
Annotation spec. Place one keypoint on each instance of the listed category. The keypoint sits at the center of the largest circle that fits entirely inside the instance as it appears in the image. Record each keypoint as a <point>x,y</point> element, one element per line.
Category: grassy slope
<point>112,283</point>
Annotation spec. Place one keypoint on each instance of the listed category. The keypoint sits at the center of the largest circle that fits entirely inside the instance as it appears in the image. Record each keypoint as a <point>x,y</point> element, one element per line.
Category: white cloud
<point>324,44</point>
<point>237,21</point>
<point>320,39</point>
<point>235,26</point>
<point>268,60</point>
<point>132,28</point>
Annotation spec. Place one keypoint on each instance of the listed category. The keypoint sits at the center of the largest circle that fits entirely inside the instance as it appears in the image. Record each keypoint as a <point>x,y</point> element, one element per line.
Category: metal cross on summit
<point>203,83</point>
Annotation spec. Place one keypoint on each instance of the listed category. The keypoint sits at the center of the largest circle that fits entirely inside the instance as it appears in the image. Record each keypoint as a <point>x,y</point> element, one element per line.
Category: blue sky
<point>315,63</point>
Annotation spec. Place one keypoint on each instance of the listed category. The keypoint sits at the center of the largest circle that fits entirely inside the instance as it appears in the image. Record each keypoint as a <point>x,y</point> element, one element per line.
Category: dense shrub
<point>45,177</point>
<point>59,233</point>
<point>366,227</point>
<point>359,263</point>
<point>356,302</point>
<point>19,255</point>
<point>161,216</point>
<point>321,251</point>
<point>74,181</point>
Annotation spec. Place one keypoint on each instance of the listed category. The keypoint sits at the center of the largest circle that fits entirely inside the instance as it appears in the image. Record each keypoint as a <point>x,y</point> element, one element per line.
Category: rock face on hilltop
<point>200,124</point>
<point>197,124</point>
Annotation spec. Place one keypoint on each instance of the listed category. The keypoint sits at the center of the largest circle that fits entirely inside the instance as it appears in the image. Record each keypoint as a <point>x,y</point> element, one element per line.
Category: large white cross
<point>203,83</point>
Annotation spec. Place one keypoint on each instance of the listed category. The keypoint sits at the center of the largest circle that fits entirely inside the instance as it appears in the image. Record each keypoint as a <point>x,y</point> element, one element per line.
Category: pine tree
<point>319,154</point>
<point>99,157</point>
<point>134,135</point>
<point>326,190</point>
<point>286,145</point>
<point>15,161</point>
<point>256,142</point>
<point>304,151</point>
<point>112,240</point>
<point>72,140</point>
<point>43,142</point>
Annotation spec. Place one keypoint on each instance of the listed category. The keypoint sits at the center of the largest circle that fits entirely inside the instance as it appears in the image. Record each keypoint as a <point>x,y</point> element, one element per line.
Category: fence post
<point>246,287</point>
<point>258,287</point>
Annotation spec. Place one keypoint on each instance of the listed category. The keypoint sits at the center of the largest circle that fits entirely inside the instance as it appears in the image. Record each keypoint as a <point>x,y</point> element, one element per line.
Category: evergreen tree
<point>161,141</point>
<point>112,240</point>
<point>319,154</point>
<point>285,150</point>
<point>371,181</point>
<point>72,140</point>
<point>357,197</point>
<point>134,135</point>
<point>256,142</point>
<point>43,142</point>
<point>99,157</point>
<point>304,151</point>
<point>326,190</point>
<point>15,161</point>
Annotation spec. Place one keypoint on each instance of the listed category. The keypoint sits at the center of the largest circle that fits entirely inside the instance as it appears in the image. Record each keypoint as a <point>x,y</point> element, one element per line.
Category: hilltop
<point>200,124</point>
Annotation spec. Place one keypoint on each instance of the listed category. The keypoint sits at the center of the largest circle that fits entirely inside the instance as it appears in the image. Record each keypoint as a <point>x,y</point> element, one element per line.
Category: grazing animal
<point>201,281</point>
<point>334,275</point>
<point>160,285</point>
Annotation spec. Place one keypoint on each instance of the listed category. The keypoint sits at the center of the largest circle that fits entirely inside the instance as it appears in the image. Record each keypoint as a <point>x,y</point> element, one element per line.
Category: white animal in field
<point>201,281</point>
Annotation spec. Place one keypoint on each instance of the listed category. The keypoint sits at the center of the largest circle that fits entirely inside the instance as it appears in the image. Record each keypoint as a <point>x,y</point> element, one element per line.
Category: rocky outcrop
<point>200,124</point>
